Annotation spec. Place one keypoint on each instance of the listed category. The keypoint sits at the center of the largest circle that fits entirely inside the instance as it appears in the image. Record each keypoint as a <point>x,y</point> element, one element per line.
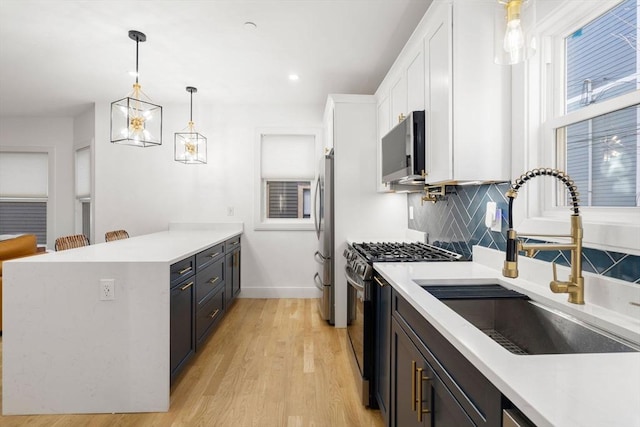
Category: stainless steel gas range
<point>362,295</point>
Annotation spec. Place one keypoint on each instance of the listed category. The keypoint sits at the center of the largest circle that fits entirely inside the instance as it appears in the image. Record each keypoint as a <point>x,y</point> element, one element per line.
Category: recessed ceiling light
<point>294,77</point>
<point>250,25</point>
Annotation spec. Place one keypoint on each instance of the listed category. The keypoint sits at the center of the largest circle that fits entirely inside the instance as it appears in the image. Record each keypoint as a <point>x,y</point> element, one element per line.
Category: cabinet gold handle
<point>214,255</point>
<point>214,314</point>
<point>185,270</point>
<point>187,286</point>
<point>421,411</point>
<point>382,284</point>
<point>413,385</point>
<point>214,280</point>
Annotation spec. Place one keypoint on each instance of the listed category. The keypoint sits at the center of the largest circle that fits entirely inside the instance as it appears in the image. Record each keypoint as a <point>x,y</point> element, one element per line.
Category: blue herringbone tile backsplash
<point>457,223</point>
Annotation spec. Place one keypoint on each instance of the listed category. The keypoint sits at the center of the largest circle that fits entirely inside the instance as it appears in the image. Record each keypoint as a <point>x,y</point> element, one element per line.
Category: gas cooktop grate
<point>399,252</point>
<point>503,341</point>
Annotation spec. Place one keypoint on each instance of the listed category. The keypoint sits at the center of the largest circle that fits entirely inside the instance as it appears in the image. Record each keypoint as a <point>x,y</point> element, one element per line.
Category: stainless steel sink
<point>523,326</point>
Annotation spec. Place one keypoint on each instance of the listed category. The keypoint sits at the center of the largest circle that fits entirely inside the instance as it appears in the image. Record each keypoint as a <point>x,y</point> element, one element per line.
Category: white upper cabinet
<point>449,72</point>
<point>384,126</point>
<point>415,83</point>
<point>399,99</point>
<point>438,94</point>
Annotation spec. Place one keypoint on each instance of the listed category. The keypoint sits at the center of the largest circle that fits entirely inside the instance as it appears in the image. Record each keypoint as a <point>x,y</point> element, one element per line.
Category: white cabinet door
<point>415,83</point>
<point>384,126</point>
<point>438,93</point>
<point>399,99</point>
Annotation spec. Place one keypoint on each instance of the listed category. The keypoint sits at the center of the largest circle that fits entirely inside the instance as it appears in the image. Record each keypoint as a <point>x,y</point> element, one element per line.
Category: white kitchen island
<point>67,351</point>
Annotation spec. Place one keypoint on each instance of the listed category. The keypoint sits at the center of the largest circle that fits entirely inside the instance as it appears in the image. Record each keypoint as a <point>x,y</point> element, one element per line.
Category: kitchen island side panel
<point>66,351</point>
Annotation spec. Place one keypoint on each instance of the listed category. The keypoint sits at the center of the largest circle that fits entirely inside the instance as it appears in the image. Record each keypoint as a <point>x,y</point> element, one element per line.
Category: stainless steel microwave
<point>403,150</point>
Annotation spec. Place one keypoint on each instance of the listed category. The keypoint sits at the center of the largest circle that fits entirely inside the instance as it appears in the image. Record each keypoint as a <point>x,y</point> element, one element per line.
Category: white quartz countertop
<point>552,390</point>
<point>165,246</point>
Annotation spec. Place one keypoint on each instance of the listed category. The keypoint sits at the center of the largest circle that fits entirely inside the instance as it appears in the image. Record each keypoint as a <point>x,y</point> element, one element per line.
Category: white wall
<point>143,189</point>
<point>56,135</point>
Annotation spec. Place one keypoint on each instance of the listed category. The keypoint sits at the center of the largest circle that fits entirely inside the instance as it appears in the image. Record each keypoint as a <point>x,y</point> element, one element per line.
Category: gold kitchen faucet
<point>575,285</point>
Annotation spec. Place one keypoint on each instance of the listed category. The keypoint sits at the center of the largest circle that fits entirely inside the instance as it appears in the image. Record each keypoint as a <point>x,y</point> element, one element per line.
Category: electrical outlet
<point>107,289</point>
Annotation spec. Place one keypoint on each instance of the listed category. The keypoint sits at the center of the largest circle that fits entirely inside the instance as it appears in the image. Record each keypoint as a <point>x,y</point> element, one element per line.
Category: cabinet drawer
<point>209,255</point>
<point>232,243</point>
<point>208,314</point>
<point>480,399</point>
<point>182,269</point>
<point>209,279</point>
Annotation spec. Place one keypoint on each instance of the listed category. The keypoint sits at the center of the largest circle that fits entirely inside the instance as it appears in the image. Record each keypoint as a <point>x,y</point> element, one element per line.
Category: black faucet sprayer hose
<point>513,191</point>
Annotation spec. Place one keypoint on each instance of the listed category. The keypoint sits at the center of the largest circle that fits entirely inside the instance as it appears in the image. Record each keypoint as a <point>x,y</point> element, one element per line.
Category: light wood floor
<point>270,363</point>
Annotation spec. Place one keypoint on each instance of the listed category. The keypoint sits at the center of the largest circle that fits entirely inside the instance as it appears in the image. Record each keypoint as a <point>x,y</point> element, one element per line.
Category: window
<point>287,169</point>
<point>24,189</point>
<point>578,102</point>
<point>288,199</point>
<point>598,143</point>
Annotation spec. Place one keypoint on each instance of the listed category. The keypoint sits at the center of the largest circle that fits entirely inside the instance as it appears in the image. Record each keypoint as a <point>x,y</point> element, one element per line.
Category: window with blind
<point>24,189</point>
<point>287,170</point>
<point>288,199</point>
<point>598,145</point>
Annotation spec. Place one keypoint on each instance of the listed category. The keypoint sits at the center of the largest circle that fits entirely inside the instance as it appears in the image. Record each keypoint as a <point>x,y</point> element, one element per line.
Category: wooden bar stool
<point>70,242</point>
<point>115,235</point>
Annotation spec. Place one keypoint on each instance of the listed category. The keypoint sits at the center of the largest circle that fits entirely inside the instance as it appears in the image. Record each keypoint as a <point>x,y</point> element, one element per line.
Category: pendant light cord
<point>191,108</point>
<point>137,43</point>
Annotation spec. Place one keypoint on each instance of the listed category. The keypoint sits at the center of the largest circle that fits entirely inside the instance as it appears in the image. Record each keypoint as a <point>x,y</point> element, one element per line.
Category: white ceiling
<point>59,56</point>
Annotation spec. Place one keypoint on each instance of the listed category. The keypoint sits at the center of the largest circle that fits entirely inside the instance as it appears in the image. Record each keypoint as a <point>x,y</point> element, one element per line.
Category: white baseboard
<point>248,292</point>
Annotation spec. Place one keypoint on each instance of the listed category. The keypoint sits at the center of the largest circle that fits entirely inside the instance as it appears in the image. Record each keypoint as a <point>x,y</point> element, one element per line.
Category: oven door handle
<point>353,283</point>
<point>318,281</point>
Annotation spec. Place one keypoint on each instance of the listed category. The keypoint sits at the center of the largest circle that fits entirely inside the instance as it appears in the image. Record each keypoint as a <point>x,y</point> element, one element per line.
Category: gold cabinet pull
<point>214,280</point>
<point>185,270</point>
<point>382,284</point>
<point>422,379</point>
<point>413,385</point>
<point>214,314</point>
<point>187,286</point>
<point>214,255</point>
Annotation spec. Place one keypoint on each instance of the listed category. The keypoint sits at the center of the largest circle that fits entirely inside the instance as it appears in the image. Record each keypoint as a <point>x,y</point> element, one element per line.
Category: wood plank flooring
<point>271,362</point>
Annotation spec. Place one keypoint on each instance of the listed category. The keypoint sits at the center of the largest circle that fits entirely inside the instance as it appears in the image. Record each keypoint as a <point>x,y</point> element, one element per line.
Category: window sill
<point>275,225</point>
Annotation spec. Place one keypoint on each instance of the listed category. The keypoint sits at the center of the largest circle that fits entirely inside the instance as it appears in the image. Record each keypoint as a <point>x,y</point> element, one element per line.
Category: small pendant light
<point>190,146</point>
<point>133,120</point>
<point>513,26</point>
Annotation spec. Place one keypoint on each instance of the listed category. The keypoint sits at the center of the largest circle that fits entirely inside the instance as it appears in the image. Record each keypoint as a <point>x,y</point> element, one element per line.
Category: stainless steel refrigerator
<point>324,224</point>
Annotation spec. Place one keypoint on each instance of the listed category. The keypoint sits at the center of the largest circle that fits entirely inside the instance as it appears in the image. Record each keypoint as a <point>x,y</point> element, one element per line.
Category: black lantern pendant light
<point>190,146</point>
<point>133,120</point>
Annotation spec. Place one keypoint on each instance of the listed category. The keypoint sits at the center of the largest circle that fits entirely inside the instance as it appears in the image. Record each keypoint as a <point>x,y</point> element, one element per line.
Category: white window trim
<point>51,196</point>
<point>89,198</point>
<point>613,229</point>
<point>280,224</point>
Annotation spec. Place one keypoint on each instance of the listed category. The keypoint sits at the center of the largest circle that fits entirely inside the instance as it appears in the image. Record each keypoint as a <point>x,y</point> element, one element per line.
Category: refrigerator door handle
<point>317,279</point>
<point>316,208</point>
